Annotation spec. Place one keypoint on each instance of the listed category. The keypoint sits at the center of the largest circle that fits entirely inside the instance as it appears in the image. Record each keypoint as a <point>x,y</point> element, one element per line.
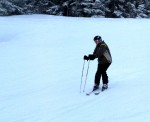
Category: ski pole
<point>82,75</point>
<point>86,75</point>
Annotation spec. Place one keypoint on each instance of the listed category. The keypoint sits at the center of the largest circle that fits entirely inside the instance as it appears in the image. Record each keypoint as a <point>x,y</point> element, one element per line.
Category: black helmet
<point>97,38</point>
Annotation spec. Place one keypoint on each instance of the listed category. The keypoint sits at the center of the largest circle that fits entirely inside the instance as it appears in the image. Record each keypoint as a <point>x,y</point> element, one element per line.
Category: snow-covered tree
<point>85,8</point>
<point>8,8</point>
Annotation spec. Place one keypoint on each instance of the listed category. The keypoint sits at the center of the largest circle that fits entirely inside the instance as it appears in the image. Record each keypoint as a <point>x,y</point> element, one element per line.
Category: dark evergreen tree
<point>85,8</point>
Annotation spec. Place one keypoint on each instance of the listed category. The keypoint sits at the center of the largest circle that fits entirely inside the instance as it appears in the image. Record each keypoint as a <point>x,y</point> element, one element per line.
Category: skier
<point>103,54</point>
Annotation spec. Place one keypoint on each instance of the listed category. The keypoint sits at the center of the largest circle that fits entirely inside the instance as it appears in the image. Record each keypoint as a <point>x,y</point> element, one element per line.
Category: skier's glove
<point>91,57</point>
<point>86,58</point>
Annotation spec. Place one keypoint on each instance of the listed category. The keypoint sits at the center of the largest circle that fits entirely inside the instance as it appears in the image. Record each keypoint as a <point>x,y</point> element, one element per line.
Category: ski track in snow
<point>41,63</point>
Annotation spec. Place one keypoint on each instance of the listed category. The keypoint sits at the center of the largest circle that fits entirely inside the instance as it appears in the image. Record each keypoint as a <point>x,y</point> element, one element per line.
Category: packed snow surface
<point>41,60</point>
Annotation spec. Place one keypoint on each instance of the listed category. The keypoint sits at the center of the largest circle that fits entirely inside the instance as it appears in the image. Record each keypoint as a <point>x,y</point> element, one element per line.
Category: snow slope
<point>41,59</point>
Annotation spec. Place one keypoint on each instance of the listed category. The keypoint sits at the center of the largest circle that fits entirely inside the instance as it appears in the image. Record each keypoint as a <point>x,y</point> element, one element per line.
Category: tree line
<point>80,8</point>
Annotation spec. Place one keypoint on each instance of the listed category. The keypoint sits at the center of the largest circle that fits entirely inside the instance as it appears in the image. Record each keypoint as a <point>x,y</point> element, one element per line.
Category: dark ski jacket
<point>103,54</point>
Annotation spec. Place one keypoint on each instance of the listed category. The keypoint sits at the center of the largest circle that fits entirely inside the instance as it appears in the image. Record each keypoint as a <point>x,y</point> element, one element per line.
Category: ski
<point>102,90</point>
<point>89,93</point>
<point>95,92</point>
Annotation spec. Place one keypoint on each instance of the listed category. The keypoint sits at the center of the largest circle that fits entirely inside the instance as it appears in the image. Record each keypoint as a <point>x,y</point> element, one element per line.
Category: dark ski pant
<point>101,72</point>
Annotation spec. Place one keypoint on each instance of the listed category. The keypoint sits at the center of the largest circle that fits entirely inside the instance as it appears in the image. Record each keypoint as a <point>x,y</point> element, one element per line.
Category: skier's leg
<point>104,73</point>
<point>98,75</point>
<point>104,77</point>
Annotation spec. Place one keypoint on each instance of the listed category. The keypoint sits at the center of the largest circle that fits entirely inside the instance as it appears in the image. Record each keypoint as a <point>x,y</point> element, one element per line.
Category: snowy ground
<point>41,60</point>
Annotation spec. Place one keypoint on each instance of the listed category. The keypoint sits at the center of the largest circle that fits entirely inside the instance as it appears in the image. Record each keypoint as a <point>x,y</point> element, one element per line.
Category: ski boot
<point>104,87</point>
<point>96,87</point>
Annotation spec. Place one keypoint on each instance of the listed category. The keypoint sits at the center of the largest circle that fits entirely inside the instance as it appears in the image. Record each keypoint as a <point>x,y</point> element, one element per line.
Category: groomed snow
<point>41,59</point>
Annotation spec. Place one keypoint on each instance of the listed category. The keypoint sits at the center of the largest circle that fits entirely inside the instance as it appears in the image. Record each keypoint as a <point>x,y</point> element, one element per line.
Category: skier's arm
<point>91,57</point>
